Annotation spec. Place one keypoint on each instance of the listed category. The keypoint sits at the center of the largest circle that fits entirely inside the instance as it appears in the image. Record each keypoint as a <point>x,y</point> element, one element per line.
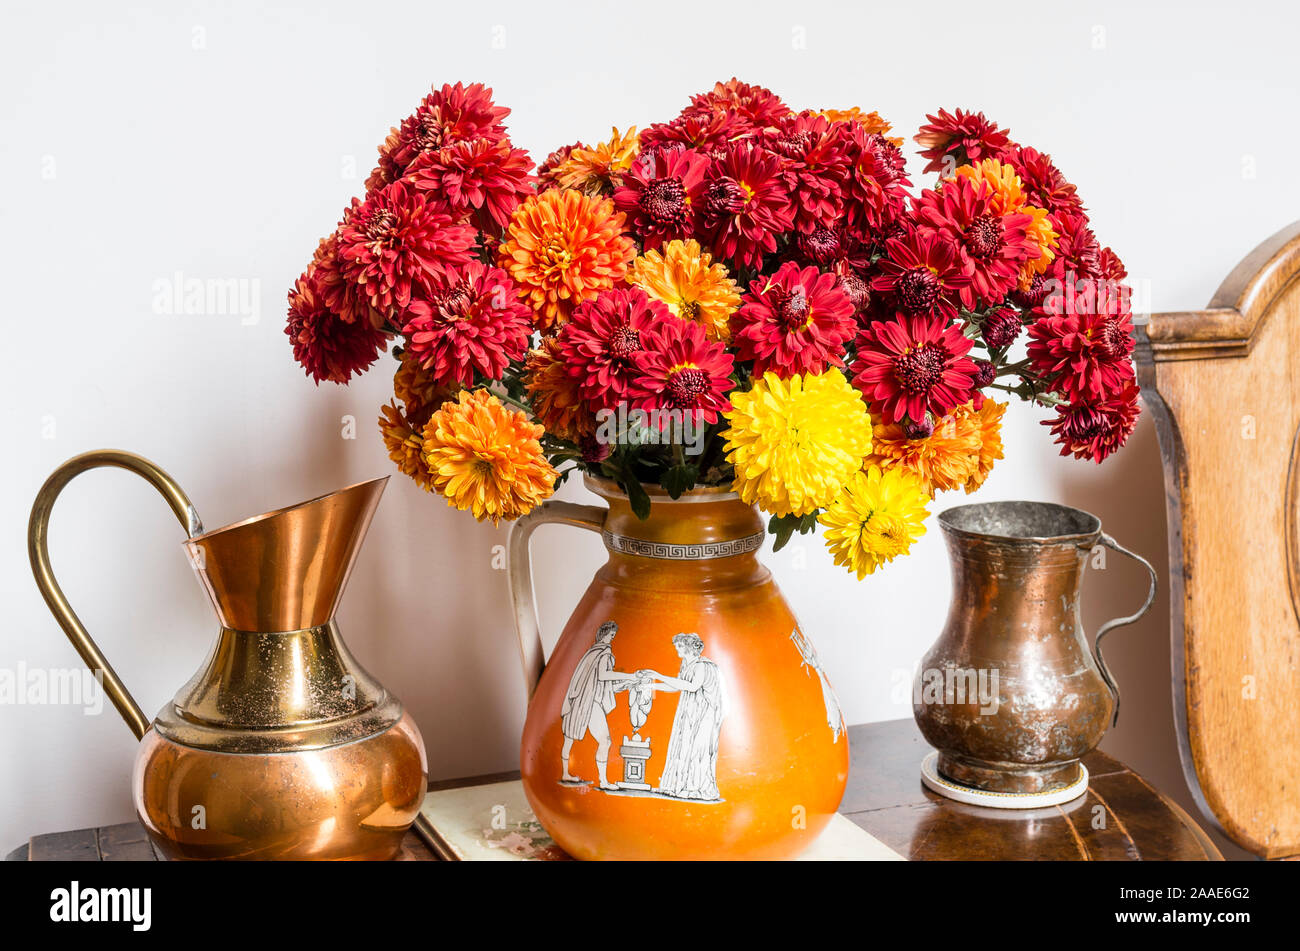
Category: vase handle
<point>39,554</point>
<point>1120,621</point>
<point>590,517</point>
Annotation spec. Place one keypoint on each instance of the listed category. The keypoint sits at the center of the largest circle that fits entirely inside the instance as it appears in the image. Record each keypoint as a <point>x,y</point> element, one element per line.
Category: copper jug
<point>281,746</point>
<point>1014,626</point>
<point>683,713</point>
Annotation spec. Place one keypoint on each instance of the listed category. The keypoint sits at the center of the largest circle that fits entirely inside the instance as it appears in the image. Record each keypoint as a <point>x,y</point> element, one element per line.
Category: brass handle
<point>1120,621</point>
<point>39,554</point>
<point>590,517</point>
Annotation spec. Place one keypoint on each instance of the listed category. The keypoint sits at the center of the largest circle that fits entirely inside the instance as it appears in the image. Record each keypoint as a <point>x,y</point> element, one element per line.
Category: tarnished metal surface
<point>1014,625</point>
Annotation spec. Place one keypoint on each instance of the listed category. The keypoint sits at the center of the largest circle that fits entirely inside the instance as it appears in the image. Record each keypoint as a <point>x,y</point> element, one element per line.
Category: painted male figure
<point>589,700</point>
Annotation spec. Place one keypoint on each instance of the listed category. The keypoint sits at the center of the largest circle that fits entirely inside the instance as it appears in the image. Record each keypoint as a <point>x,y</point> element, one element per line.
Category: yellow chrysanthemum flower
<point>685,278</point>
<point>1009,198</point>
<point>599,170</point>
<point>795,443</point>
<point>989,419</point>
<point>487,458</point>
<point>875,519</point>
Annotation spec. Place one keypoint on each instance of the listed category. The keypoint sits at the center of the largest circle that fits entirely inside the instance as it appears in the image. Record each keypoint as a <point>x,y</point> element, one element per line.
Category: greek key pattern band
<point>625,545</point>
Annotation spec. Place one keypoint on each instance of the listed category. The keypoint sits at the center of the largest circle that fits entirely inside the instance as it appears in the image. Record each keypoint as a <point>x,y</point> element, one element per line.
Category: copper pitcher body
<point>282,746</point>
<point>1010,694</point>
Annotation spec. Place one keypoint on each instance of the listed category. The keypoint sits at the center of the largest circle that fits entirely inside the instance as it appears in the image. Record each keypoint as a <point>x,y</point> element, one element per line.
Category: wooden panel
<point>1223,387</point>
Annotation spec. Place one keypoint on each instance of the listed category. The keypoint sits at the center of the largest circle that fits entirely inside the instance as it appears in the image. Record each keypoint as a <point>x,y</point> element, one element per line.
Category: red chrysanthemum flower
<point>1001,327</point>
<point>479,180</point>
<point>796,321</point>
<point>923,274</point>
<point>1110,267</point>
<point>875,188</point>
<point>745,205</point>
<point>660,194</point>
<point>816,163</point>
<point>601,341</point>
<point>709,133</point>
<point>963,136</point>
<point>854,286</point>
<point>447,115</point>
<point>910,365</point>
<point>992,246</point>
<point>473,324</point>
<point>681,369</point>
<point>328,347</point>
<point>818,245</point>
<point>393,243</point>
<point>1077,249</point>
<point>758,106</point>
<point>1095,430</point>
<point>341,295</point>
<point>1085,355</point>
<point>1042,182</point>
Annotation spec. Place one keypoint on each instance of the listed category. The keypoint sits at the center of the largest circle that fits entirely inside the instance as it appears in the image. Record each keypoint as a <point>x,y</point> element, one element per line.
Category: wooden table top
<point>1121,817</point>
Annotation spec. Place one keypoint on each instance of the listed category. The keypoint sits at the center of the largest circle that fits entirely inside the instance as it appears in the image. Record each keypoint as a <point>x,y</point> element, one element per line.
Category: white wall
<point>128,154</point>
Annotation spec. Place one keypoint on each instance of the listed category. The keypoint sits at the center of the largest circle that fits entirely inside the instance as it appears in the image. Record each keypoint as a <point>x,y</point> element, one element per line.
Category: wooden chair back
<point>1223,386</point>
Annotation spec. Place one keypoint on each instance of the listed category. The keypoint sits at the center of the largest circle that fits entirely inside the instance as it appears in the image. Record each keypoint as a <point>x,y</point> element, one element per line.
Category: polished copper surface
<point>281,746</point>
<point>1017,568</point>
<point>274,692</point>
<point>351,801</point>
<point>285,570</point>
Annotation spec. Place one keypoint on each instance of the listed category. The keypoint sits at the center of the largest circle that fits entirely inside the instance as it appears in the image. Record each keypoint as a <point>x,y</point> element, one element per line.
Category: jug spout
<point>285,570</point>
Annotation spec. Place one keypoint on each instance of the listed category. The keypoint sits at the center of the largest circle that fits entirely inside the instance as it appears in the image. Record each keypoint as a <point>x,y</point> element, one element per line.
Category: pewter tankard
<point>1014,622</point>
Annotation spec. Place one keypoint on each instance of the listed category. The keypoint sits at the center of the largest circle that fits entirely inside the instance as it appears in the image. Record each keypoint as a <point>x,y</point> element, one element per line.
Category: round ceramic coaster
<point>998,800</point>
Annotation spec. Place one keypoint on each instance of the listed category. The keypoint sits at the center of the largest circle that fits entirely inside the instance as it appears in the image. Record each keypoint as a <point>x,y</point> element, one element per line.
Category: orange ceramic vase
<point>684,713</point>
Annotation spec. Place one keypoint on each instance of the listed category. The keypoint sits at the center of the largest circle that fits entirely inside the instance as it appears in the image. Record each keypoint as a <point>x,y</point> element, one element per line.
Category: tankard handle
<point>1120,621</point>
<point>39,554</point>
<point>590,517</point>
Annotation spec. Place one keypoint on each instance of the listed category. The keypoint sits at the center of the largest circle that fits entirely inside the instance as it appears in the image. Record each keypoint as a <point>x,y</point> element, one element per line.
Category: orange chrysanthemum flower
<point>405,444</point>
<point>989,420</point>
<point>417,390</point>
<point>871,122</point>
<point>685,278</point>
<point>946,459</point>
<point>554,395</point>
<point>487,458</point>
<point>563,247</point>
<point>599,170</point>
<point>1009,198</point>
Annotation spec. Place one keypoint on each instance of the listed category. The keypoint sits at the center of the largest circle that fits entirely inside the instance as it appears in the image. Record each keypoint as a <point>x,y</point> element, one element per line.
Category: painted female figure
<point>691,764</point>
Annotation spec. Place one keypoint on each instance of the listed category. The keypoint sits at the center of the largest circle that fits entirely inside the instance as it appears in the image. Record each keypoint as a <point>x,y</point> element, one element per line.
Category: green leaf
<point>679,478</point>
<point>781,527</point>
<point>636,495</point>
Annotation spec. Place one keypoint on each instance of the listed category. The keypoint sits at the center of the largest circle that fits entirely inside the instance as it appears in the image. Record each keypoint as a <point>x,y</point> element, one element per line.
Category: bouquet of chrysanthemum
<point>744,295</point>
